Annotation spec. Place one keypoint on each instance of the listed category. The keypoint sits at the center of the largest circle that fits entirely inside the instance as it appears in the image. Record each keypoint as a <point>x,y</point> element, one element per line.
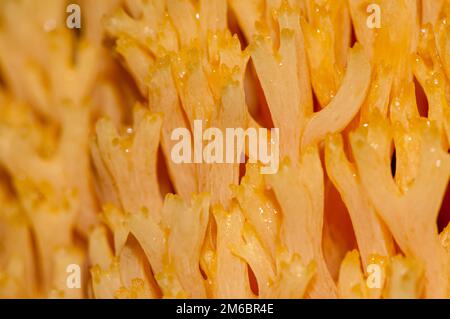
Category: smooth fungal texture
<point>224,149</point>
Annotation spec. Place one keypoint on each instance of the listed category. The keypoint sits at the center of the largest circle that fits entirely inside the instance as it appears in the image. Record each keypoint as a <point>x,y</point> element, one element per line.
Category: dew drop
<point>49,25</point>
<point>374,145</point>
